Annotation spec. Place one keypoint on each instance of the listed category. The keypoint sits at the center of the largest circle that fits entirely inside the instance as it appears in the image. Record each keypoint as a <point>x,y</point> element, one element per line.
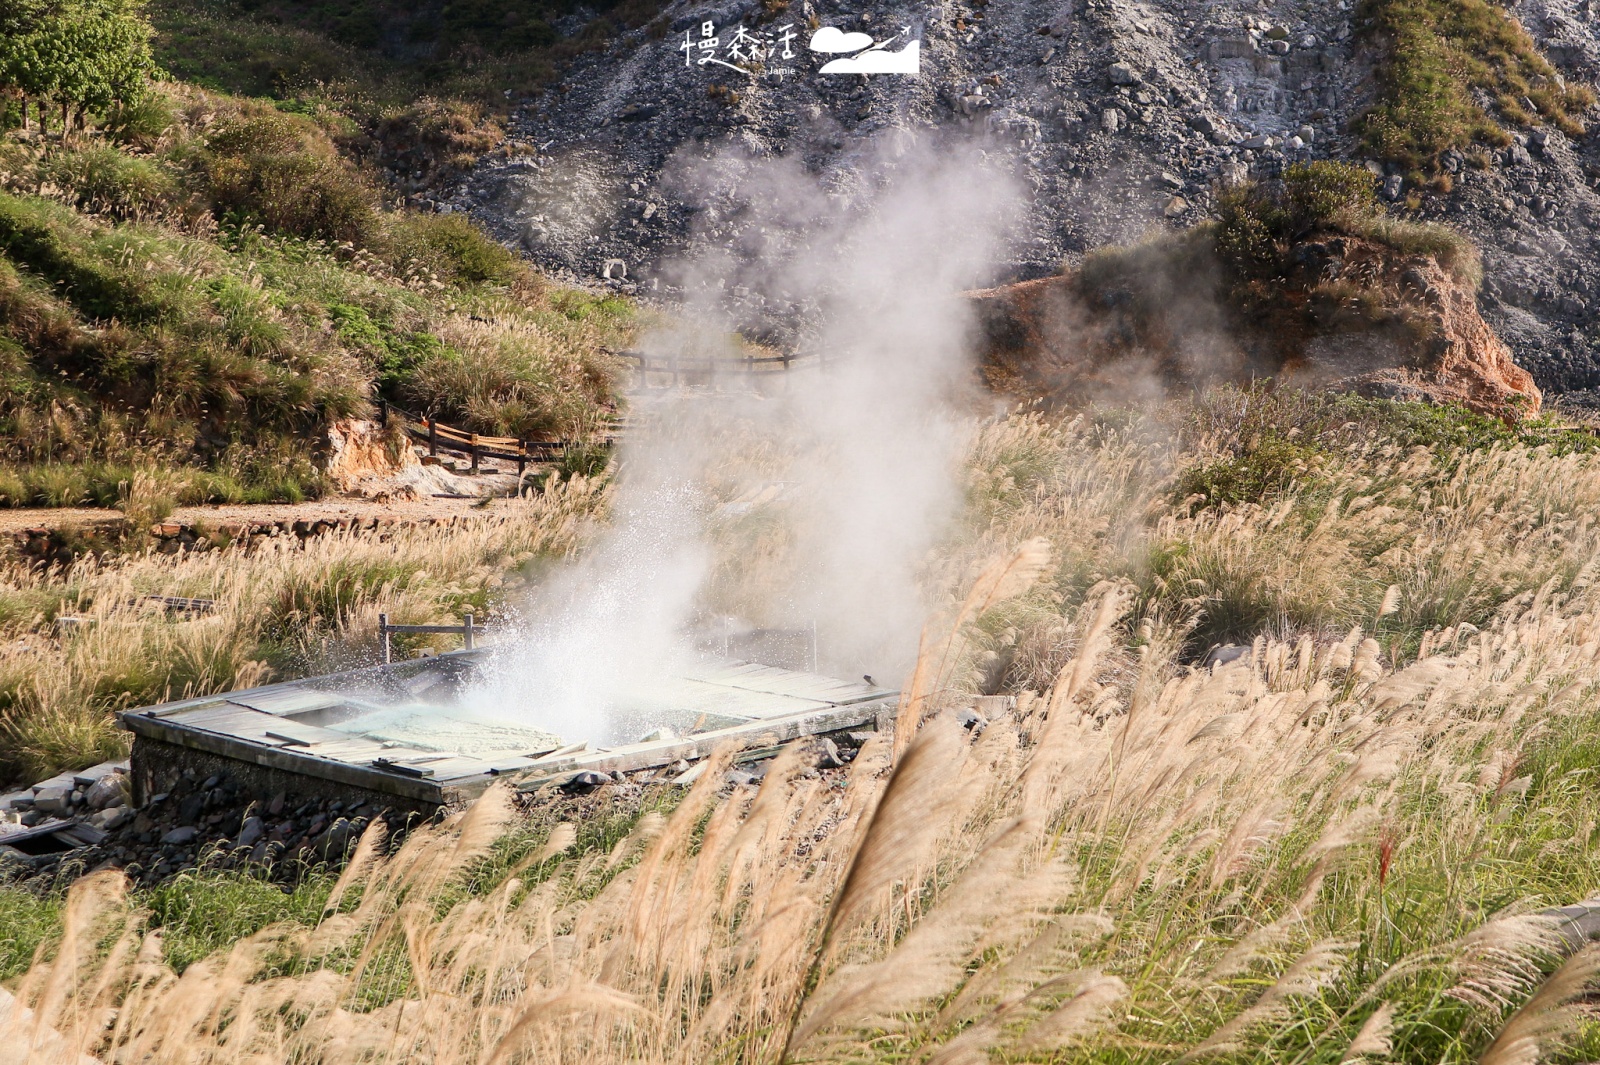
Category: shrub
<point>107,181</point>
<point>510,382</point>
<point>140,125</point>
<point>1249,226</point>
<point>1256,220</point>
<point>1326,192</point>
<point>1264,467</point>
<point>452,247</point>
<point>280,171</point>
<point>438,137</point>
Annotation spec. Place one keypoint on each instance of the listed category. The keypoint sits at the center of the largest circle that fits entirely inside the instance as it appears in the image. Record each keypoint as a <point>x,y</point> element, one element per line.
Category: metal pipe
<point>383,631</point>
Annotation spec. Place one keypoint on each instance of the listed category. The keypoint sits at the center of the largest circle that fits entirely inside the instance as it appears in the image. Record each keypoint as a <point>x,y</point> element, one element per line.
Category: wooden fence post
<point>466,632</point>
<point>473,444</point>
<point>433,437</point>
<point>522,458</point>
<point>383,413</point>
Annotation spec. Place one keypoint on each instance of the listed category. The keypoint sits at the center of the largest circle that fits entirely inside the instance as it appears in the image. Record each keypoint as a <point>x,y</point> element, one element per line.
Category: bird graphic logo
<point>870,57</point>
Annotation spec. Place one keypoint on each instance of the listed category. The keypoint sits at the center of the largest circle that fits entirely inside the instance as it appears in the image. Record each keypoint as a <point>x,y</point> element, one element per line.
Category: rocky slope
<point>1117,116</point>
<point>1351,314</point>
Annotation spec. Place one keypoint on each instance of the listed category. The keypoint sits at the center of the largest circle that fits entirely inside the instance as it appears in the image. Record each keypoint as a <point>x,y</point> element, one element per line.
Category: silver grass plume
<point>1545,1016</point>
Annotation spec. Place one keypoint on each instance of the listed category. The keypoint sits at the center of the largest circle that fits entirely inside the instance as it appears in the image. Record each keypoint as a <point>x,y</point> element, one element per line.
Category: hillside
<point>1115,116</point>
<point>205,284</point>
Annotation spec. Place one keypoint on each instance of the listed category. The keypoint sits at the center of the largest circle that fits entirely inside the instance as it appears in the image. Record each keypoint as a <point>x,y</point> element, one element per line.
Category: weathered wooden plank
<point>224,717</point>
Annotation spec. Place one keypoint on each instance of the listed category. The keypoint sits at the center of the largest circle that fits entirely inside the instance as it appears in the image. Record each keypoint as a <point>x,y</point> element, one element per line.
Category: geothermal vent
<point>403,733</point>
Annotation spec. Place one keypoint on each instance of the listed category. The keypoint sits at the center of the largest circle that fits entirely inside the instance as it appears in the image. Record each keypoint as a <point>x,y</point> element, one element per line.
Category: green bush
<point>1249,227</point>
<point>277,170</point>
<point>452,247</point>
<point>107,181</point>
<point>142,124</point>
<point>510,388</point>
<point>1326,192</point>
<point>1258,220</point>
<point>1265,466</point>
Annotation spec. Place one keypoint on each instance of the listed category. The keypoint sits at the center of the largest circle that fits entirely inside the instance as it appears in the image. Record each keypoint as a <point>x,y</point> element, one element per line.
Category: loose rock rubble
<point>217,821</point>
<point>1117,116</point>
<point>206,820</point>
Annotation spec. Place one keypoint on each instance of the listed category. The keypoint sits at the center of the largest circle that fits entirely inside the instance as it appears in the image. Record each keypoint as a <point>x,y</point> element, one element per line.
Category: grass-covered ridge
<point>377,58</point>
<point>1437,55</point>
<point>208,287</point>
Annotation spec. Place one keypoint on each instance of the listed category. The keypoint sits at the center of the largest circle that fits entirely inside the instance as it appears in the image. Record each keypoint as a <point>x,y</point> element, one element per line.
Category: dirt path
<point>15,521</point>
<point>434,493</point>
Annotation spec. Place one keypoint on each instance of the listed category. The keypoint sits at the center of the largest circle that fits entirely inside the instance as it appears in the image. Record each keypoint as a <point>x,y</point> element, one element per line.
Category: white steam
<point>818,503</point>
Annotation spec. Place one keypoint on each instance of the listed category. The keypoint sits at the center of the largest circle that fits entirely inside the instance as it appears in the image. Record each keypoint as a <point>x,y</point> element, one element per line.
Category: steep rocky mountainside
<point>1118,116</point>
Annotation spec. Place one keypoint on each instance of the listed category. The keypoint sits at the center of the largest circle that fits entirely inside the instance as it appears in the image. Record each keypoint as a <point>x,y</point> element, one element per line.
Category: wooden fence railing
<point>440,437</point>
<point>684,369</point>
<point>467,630</point>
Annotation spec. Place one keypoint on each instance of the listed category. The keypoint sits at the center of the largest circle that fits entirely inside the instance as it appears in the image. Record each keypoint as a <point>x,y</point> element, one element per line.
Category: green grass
<point>210,302</point>
<point>1274,439</point>
<point>27,920</point>
<point>207,910</point>
<point>200,913</point>
<point>370,59</point>
<point>1438,54</point>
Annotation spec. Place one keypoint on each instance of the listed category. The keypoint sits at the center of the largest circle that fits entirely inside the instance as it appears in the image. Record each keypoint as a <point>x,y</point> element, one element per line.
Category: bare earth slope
<point>1408,330</point>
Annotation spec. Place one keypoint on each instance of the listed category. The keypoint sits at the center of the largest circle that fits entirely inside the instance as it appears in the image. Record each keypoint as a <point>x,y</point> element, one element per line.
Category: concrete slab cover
<point>401,729</point>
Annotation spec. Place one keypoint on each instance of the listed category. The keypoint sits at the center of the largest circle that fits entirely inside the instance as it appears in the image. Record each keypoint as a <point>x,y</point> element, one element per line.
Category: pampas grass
<point>282,610</point>
<point>1333,848</point>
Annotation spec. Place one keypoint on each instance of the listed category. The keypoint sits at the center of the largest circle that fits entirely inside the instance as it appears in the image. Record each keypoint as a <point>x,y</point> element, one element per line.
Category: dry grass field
<point>1333,848</point>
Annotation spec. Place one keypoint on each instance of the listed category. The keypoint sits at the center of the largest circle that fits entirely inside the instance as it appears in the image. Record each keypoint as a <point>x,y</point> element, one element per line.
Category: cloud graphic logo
<point>907,60</point>
<point>833,39</point>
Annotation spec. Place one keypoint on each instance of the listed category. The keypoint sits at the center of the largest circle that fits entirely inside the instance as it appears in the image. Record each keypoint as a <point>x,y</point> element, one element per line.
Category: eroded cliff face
<point>1352,314</point>
<point>360,451</point>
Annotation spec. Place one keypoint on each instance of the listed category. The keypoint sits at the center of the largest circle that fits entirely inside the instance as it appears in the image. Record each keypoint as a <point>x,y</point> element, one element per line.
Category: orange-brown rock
<point>1350,314</point>
<point>359,450</point>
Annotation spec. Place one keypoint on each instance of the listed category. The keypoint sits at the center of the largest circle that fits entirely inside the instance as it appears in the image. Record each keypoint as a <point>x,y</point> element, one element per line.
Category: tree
<point>82,55</point>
